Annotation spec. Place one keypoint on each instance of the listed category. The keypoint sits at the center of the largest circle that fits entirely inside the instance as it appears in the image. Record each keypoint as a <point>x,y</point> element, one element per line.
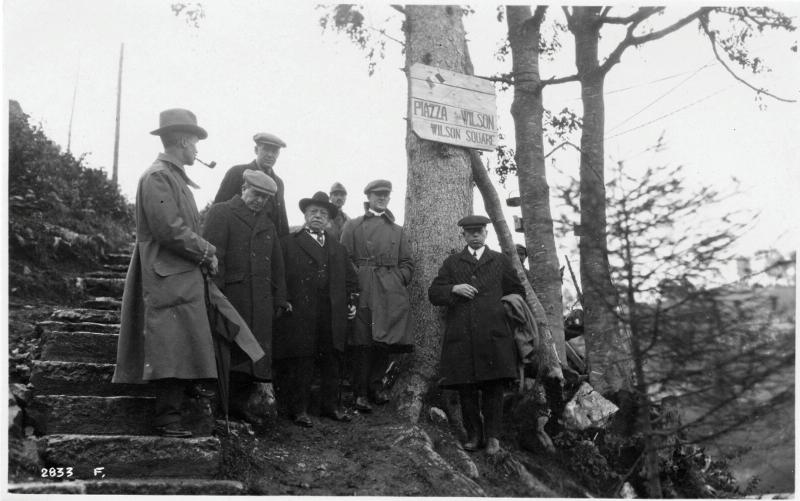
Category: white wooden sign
<point>453,108</point>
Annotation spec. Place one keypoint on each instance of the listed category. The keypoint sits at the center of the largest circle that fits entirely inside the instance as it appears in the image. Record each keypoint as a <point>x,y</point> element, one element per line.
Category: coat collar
<point>466,255</point>
<point>176,166</point>
<point>256,221</point>
<point>310,245</point>
<point>386,214</point>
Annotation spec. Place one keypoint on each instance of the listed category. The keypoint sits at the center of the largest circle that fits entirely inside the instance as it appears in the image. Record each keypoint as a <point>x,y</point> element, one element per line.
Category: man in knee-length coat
<point>381,254</point>
<point>251,275</point>
<point>164,333</point>
<point>320,280</point>
<point>478,349</point>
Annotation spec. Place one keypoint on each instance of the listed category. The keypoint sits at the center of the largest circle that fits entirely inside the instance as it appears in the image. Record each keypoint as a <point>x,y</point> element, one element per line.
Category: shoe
<point>379,397</point>
<point>336,415</point>
<point>198,391</point>
<point>173,430</point>
<point>472,444</point>
<point>362,405</point>
<point>493,446</point>
<point>303,420</point>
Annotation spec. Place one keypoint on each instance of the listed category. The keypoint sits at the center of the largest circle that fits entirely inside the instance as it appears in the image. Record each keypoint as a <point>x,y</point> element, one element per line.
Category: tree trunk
<point>607,351</point>
<point>438,194</point>
<point>527,110</point>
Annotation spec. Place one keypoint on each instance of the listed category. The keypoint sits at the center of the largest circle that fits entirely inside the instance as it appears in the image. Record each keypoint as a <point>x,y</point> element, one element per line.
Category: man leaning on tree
<point>381,254</point>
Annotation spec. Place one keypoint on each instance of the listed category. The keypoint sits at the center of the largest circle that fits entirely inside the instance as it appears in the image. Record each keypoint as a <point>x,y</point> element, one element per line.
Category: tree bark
<point>438,194</point>
<point>607,351</point>
<point>527,110</point>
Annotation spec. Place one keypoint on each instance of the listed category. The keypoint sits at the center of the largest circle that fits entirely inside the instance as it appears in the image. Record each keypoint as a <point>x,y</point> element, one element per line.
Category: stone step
<point>80,378</point>
<point>104,274</point>
<point>86,315</point>
<point>104,286</point>
<point>58,325</point>
<point>153,486</point>
<point>116,267</point>
<point>79,346</point>
<point>92,415</point>
<point>118,258</point>
<point>130,456</point>
<point>103,303</point>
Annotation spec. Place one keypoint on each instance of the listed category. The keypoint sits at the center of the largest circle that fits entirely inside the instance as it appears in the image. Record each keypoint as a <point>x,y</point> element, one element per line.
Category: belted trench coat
<point>381,255</point>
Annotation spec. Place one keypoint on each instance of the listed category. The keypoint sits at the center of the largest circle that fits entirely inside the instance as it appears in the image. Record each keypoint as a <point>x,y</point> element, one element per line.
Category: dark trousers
<point>485,397</point>
<point>369,366</point>
<point>294,376</point>
<point>170,394</point>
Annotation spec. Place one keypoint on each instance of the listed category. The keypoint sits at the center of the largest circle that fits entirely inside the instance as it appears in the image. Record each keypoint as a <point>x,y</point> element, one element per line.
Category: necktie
<point>475,254</point>
<point>318,235</point>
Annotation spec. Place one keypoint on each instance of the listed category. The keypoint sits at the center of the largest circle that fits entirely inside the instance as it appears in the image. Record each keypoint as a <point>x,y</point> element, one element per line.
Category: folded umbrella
<point>229,330</point>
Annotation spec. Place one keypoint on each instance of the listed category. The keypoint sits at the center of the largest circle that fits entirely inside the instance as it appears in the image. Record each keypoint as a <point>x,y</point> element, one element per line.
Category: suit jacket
<point>276,207</point>
<point>307,265</point>
<point>251,271</point>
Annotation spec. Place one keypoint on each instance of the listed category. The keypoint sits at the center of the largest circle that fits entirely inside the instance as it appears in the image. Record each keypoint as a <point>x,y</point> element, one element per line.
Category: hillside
<point>69,242</point>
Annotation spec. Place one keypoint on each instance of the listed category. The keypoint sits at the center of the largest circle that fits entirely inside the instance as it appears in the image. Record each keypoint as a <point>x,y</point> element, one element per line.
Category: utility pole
<point>116,131</point>
<point>72,111</point>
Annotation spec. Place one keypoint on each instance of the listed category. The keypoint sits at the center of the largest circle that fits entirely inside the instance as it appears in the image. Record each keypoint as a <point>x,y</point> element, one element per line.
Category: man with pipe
<point>267,149</point>
<point>165,337</point>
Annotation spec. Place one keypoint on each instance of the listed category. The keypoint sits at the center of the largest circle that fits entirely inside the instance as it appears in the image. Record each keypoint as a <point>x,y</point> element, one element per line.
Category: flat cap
<point>267,138</point>
<point>337,186</point>
<point>474,221</point>
<point>378,185</point>
<point>260,181</point>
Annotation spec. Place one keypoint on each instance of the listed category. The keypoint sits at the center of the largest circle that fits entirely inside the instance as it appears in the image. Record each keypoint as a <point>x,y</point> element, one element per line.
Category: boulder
<point>588,409</point>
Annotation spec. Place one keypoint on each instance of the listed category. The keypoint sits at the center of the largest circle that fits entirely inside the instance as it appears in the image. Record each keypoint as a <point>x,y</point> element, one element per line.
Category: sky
<point>256,66</point>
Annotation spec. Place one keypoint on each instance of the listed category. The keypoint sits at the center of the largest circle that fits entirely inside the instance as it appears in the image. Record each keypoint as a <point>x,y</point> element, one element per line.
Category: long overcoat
<point>276,206</point>
<point>477,344</point>
<point>164,331</point>
<point>381,255</point>
<point>306,262</point>
<point>251,271</point>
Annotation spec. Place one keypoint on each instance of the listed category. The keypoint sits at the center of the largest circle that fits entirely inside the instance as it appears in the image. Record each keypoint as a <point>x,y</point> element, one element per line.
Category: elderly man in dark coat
<point>251,275</point>
<point>165,335</point>
<point>381,253</point>
<point>478,350</point>
<point>320,280</point>
<point>268,148</point>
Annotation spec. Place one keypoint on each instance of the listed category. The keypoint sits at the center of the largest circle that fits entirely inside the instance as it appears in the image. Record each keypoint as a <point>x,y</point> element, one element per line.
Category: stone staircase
<point>100,433</point>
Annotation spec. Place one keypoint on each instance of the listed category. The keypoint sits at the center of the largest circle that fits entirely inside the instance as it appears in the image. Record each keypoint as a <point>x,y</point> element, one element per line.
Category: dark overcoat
<point>251,271</point>
<point>276,206</point>
<point>477,344</point>
<point>296,334</point>
<point>381,254</point>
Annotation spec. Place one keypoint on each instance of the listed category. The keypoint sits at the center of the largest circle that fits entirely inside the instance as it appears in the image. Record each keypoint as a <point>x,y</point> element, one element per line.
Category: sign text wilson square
<point>452,108</point>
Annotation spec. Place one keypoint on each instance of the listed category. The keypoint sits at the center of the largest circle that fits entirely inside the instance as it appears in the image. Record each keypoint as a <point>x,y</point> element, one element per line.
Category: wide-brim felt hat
<point>320,198</point>
<point>179,120</point>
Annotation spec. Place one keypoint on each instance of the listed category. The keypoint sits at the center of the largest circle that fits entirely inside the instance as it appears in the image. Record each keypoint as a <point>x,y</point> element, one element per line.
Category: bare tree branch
<point>565,143</point>
<point>713,39</point>
<point>632,40</point>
